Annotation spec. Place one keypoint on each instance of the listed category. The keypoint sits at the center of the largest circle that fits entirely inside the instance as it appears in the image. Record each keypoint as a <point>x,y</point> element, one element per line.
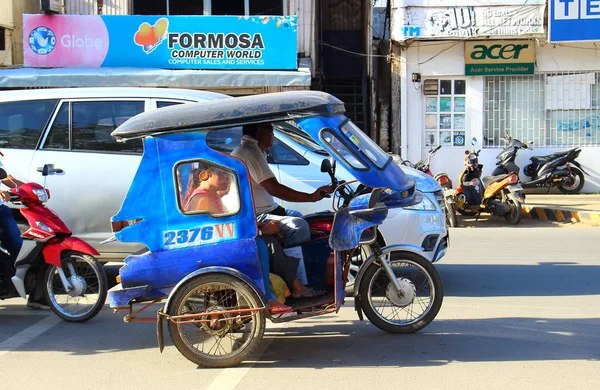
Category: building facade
<point>484,69</point>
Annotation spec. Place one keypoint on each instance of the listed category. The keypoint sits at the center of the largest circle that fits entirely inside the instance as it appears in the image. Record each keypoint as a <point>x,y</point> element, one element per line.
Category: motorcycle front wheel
<point>516,210</point>
<point>88,295</point>
<point>416,308</point>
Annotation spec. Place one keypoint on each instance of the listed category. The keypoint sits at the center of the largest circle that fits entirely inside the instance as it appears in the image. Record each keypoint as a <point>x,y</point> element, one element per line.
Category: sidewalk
<point>552,207</point>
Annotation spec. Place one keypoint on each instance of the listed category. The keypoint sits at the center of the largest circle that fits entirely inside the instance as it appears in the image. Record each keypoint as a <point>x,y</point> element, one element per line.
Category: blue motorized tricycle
<point>210,264</point>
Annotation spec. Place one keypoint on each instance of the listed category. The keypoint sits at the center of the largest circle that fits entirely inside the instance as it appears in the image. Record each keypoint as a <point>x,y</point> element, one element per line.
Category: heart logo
<point>149,37</point>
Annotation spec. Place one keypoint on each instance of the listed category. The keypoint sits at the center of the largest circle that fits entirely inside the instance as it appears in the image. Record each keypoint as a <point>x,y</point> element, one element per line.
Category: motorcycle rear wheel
<point>88,278</point>
<point>578,182</point>
<point>418,307</point>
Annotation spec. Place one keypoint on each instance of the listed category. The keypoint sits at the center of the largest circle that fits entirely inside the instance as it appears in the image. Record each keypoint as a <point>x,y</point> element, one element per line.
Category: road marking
<point>230,378</point>
<point>28,334</point>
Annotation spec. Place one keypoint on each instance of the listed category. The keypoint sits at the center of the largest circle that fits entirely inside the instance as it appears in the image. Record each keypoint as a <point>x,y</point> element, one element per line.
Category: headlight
<point>425,205</point>
<point>43,226</point>
<point>41,194</point>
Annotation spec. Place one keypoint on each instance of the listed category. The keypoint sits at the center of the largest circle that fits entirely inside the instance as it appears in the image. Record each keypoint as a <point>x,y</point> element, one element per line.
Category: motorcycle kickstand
<point>477,217</point>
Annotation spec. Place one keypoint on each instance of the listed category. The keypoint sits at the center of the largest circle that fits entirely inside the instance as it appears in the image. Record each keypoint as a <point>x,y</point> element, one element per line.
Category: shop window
<point>445,114</point>
<point>551,109</point>
<point>206,188</point>
<point>2,38</point>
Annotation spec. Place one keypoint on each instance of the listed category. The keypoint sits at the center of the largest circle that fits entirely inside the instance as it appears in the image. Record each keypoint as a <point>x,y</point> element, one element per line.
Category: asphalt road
<point>521,311</point>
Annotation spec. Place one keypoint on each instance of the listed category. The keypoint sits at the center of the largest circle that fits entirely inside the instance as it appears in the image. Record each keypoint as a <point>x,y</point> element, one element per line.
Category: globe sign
<point>42,40</point>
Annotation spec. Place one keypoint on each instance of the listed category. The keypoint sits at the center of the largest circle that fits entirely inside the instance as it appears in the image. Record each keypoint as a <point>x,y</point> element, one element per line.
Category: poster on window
<point>459,138</point>
<point>445,121</point>
<point>459,121</point>
<point>431,121</point>
<point>459,104</point>
<point>170,42</point>
<point>431,138</point>
<point>431,104</point>
<point>446,138</point>
<point>446,104</point>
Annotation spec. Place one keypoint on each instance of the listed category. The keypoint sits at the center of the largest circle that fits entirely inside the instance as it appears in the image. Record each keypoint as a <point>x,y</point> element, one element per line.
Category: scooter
<point>558,169</point>
<point>52,261</point>
<point>444,181</point>
<point>498,195</point>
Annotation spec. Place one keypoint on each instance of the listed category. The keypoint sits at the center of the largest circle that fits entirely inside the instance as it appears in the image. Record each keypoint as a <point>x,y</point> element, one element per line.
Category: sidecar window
<point>207,188</point>
<point>340,148</point>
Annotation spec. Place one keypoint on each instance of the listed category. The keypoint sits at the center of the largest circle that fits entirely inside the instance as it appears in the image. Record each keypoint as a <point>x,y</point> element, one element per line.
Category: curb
<point>542,213</point>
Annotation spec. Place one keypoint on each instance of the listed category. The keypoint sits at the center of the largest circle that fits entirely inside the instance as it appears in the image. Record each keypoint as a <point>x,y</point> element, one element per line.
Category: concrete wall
<point>446,59</point>
<point>11,18</point>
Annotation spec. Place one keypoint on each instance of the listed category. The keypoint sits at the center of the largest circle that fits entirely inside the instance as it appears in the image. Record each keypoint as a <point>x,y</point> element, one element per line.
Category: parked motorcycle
<point>444,181</point>
<point>52,260</point>
<point>557,169</point>
<point>499,195</point>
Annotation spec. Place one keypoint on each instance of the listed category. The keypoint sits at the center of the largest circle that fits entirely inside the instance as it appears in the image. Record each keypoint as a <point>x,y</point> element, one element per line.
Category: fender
<point>53,250</point>
<point>214,270</point>
<point>574,162</point>
<point>384,251</point>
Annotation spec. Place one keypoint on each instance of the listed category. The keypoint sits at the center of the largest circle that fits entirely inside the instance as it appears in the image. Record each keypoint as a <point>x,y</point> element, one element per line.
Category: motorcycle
<point>558,169</point>
<point>499,195</point>
<point>63,267</point>
<point>444,181</point>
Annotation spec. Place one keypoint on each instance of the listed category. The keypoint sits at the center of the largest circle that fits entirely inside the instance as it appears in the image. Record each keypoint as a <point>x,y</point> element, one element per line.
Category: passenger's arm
<point>286,193</point>
<point>11,182</point>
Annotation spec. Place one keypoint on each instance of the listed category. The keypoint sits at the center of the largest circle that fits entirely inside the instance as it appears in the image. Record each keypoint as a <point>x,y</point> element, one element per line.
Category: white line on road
<point>230,378</point>
<point>28,334</point>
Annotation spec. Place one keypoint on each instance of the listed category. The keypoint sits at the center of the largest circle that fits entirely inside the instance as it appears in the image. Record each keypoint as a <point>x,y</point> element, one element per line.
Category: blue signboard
<point>574,20</point>
<point>172,42</point>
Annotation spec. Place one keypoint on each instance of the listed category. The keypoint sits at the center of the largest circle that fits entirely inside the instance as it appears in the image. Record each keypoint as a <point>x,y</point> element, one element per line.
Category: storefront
<point>232,54</point>
<point>514,81</point>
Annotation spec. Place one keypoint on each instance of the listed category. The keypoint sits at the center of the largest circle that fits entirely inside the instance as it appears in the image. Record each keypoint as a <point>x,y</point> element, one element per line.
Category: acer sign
<point>488,58</point>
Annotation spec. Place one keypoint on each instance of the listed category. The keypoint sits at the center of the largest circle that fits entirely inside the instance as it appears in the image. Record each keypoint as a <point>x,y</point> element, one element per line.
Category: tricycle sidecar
<point>209,264</point>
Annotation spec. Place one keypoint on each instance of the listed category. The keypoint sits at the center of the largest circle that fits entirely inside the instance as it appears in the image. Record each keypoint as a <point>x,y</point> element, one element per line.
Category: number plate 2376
<point>199,235</point>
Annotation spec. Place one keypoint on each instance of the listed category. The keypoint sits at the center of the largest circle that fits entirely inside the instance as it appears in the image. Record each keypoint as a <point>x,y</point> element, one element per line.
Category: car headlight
<point>41,194</point>
<point>425,205</point>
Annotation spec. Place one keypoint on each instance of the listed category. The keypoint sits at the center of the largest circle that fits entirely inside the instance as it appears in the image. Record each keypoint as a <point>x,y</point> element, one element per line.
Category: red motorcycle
<point>63,267</point>
<point>444,181</point>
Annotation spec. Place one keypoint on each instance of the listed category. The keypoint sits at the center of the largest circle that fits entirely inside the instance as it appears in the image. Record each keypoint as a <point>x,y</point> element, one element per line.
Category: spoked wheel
<point>573,183</point>
<point>222,339</point>
<point>516,210</point>
<point>88,279</point>
<point>402,313</point>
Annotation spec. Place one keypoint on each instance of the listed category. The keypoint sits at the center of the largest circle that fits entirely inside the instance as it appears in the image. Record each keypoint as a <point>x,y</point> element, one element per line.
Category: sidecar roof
<point>226,113</point>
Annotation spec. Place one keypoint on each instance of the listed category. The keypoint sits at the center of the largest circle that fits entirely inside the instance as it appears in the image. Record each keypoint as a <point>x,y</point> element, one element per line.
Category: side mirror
<point>326,166</point>
<point>46,170</point>
<point>3,174</point>
<point>473,141</point>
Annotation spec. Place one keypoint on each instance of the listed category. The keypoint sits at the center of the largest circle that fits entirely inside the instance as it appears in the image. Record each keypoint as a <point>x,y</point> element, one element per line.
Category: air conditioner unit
<point>51,6</point>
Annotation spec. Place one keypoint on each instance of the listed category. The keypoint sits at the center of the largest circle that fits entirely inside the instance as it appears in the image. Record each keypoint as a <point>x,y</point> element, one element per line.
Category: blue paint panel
<point>347,229</point>
<point>583,23</point>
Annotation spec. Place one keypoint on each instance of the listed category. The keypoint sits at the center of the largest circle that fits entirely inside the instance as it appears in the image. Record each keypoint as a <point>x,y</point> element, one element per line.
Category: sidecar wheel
<point>90,287</point>
<point>222,340</point>
<point>413,311</point>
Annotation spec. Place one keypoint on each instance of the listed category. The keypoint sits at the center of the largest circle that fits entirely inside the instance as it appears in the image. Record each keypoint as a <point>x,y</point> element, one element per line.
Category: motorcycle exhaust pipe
<point>500,209</point>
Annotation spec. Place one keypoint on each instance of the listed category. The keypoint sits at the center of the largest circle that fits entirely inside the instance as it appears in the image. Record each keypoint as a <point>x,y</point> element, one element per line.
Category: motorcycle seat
<point>545,159</point>
<point>487,180</point>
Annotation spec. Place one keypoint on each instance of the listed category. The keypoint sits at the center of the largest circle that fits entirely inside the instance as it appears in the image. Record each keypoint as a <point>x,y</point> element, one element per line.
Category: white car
<point>70,128</point>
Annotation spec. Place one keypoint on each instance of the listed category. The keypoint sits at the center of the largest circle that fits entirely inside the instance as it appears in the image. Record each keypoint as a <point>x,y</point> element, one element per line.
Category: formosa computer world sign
<point>172,42</point>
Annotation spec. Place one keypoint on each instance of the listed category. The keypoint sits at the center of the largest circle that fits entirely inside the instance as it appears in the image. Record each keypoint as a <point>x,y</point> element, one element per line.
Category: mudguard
<point>363,268</point>
<point>575,162</point>
<point>52,251</point>
<point>211,270</point>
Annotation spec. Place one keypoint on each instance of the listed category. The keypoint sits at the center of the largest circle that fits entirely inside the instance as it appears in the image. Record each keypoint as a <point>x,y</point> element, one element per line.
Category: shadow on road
<point>492,221</point>
<point>503,280</point>
<point>357,344</point>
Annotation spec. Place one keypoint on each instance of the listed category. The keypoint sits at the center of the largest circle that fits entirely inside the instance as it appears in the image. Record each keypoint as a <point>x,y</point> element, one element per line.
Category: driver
<point>256,140</point>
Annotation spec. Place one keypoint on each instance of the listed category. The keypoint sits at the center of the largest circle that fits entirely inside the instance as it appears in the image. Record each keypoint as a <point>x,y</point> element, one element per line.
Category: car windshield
<point>300,137</point>
<point>366,145</point>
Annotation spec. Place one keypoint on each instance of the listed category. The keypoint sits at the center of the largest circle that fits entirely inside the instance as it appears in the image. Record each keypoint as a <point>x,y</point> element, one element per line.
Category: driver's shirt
<point>256,162</point>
